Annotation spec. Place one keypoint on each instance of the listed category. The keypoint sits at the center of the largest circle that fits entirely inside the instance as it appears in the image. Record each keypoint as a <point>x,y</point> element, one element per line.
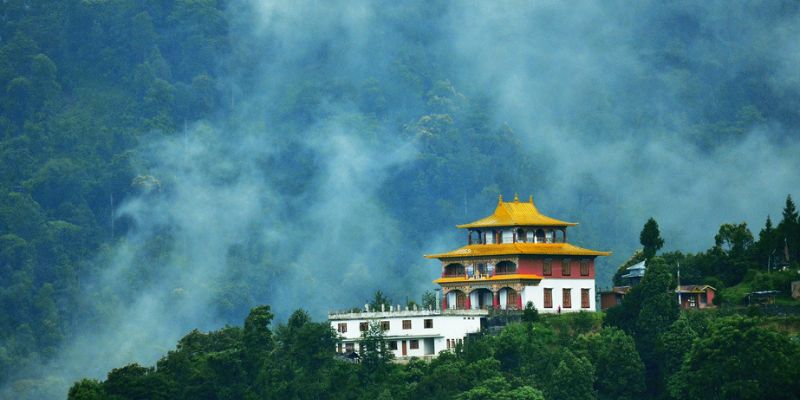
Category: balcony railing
<point>478,276</point>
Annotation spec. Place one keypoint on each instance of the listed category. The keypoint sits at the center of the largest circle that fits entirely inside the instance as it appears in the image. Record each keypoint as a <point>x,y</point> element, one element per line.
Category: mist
<point>317,183</point>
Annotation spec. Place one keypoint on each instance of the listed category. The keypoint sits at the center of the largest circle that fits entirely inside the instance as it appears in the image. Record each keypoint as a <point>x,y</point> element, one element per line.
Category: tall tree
<point>256,339</point>
<point>380,300</point>
<point>650,238</point>
<point>788,232</point>
<point>375,353</point>
<point>767,244</point>
<point>789,211</point>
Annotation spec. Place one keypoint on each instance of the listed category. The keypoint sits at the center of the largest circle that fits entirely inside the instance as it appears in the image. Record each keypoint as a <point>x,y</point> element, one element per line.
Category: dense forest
<point>166,165</point>
<point>645,347</point>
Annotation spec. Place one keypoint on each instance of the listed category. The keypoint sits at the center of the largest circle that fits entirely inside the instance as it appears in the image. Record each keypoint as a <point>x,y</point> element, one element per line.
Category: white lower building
<point>422,333</point>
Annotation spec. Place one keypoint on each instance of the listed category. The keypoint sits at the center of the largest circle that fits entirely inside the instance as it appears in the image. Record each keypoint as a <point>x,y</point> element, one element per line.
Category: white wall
<point>451,325</point>
<point>536,294</point>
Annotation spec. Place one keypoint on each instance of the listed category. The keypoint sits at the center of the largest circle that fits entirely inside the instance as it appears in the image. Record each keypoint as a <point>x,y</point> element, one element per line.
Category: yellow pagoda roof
<point>516,213</point>
<point>489,278</point>
<point>477,250</point>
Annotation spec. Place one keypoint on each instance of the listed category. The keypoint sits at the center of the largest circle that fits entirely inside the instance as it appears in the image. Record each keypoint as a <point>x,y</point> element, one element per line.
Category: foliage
<point>619,370</point>
<point>380,301</point>
<point>739,360</point>
<point>530,314</point>
<point>375,353</point>
<point>650,238</point>
<point>429,300</point>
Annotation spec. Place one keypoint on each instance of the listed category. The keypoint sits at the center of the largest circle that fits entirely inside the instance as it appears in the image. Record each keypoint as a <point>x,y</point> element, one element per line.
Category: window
<point>339,347</point>
<point>363,327</point>
<point>567,293</point>
<point>392,345</point>
<point>349,347</point>
<point>565,267</point>
<point>455,269</point>
<point>548,267</point>
<point>508,236</point>
<point>505,267</point>
<point>342,328</point>
<point>384,325</point>
<point>448,344</point>
<point>414,344</point>
<point>584,298</point>
<point>406,324</point>
<point>489,237</point>
<point>548,298</point>
<point>584,267</point>
<point>428,324</point>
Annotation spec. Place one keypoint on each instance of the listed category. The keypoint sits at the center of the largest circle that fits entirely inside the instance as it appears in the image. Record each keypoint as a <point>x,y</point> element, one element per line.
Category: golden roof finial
<point>530,199</point>
<point>516,197</point>
<point>500,198</point>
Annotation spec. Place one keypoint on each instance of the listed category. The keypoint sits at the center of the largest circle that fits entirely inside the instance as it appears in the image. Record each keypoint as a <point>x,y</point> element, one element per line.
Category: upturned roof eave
<point>512,249</point>
<point>478,224</point>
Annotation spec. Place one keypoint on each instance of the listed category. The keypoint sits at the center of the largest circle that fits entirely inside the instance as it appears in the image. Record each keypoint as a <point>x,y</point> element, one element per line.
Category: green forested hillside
<point>84,83</point>
<point>166,165</point>
<point>573,356</point>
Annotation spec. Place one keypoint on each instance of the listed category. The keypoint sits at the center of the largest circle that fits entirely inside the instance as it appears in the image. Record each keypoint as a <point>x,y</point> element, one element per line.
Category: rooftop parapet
<point>396,313</point>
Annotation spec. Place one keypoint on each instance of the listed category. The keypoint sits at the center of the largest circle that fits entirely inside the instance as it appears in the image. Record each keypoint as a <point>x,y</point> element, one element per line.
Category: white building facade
<point>409,333</point>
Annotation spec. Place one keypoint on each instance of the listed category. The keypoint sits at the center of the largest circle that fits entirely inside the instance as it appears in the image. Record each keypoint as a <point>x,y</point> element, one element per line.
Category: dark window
<point>506,267</point>
<point>428,324</point>
<point>448,343</point>
<point>567,293</point>
<point>548,267</point>
<point>392,345</point>
<point>349,347</point>
<point>454,270</point>
<point>565,267</point>
<point>548,298</point>
<point>584,267</point>
<point>363,327</point>
<point>342,328</point>
<point>406,324</point>
<point>414,344</point>
<point>512,299</point>
<point>384,325</point>
<point>339,347</point>
<point>584,298</point>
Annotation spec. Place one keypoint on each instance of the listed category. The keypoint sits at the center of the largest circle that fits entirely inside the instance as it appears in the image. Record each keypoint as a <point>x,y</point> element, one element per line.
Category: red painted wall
<point>535,265</point>
<point>710,297</point>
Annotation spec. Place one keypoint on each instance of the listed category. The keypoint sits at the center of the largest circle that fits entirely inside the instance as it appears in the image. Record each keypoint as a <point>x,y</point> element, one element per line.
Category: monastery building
<point>512,257</point>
